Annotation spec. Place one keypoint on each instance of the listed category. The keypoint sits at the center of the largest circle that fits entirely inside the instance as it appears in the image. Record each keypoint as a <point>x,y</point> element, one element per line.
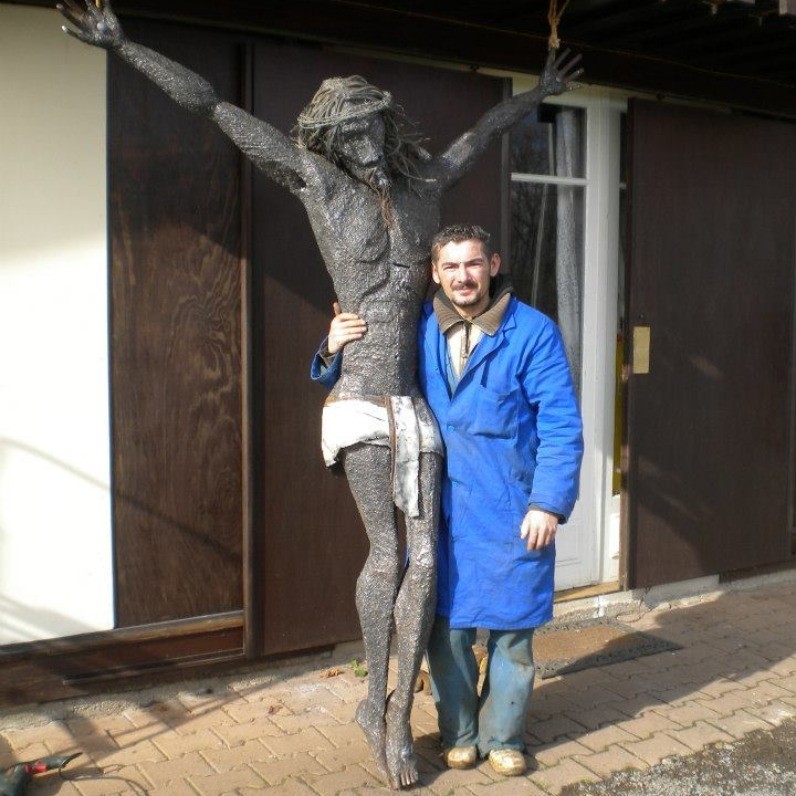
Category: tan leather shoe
<point>508,762</point>
<point>460,756</point>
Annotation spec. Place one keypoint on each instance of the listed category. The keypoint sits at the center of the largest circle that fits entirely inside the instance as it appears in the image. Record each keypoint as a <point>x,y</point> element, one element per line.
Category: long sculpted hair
<point>342,99</point>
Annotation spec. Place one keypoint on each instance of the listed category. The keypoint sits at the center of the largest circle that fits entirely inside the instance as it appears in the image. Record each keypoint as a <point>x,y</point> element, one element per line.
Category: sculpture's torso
<point>381,274</point>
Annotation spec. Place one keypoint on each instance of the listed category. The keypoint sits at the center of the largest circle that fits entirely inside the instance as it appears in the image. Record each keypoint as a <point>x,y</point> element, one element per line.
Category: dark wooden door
<point>711,276</point>
<point>175,243</point>
<point>309,540</point>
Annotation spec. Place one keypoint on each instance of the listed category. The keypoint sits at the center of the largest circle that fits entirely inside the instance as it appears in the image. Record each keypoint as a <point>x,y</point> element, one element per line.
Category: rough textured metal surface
<point>373,215</point>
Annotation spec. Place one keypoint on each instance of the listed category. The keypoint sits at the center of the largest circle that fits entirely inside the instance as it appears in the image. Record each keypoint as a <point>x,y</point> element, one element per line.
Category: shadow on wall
<point>46,567</point>
<point>22,621</point>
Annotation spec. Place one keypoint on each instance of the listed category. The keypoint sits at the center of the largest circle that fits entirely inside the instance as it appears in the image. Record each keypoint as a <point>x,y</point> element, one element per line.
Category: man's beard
<point>466,302</point>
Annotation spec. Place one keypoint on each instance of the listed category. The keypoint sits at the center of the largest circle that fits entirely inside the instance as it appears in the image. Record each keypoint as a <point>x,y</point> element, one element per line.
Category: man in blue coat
<point>495,374</point>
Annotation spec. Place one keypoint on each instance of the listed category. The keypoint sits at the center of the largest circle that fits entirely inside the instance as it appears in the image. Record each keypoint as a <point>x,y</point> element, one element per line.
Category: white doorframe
<point>588,550</point>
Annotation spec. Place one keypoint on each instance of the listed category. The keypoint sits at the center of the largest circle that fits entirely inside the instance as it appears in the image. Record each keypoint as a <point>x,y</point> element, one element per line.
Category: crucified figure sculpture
<point>372,195</point>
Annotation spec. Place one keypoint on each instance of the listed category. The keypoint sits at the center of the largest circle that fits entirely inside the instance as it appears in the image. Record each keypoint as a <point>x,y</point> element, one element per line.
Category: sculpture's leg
<point>369,472</point>
<point>414,613</point>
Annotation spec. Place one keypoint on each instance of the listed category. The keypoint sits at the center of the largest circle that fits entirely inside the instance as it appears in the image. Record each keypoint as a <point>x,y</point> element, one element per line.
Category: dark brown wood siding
<point>307,529</point>
<point>712,248</point>
<point>176,216</point>
<point>175,220</point>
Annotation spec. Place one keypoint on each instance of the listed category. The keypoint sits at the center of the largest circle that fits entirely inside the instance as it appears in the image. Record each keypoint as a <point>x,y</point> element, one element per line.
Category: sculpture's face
<point>463,271</point>
<point>360,146</point>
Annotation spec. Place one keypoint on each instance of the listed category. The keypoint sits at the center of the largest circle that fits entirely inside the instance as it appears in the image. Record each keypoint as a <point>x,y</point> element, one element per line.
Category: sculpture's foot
<point>371,722</point>
<point>401,761</point>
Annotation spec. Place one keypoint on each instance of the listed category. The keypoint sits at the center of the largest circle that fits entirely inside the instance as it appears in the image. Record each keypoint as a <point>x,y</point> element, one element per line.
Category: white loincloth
<point>391,421</point>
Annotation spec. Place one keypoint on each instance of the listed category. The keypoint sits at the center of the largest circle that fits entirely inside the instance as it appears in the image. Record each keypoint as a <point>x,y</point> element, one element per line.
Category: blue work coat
<point>513,439</point>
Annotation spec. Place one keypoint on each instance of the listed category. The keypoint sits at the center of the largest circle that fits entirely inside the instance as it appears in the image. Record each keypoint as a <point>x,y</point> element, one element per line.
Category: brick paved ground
<point>282,732</point>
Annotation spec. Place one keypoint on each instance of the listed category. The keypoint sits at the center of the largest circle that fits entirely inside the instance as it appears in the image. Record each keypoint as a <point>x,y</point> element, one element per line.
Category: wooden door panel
<point>712,208</point>
<point>174,215</point>
<point>308,531</point>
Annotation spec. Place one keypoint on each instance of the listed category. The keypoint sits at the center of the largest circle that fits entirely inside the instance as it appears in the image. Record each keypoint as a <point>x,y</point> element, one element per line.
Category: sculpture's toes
<point>401,761</point>
<point>403,771</point>
<point>373,726</point>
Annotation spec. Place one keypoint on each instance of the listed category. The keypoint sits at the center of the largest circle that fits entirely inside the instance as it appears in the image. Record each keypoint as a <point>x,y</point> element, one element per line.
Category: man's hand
<point>345,328</point>
<point>96,24</point>
<point>538,529</point>
<point>559,73</point>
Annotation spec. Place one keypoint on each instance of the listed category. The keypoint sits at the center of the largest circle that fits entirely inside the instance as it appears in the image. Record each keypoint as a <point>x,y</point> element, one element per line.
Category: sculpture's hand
<point>345,328</point>
<point>559,73</point>
<point>95,24</point>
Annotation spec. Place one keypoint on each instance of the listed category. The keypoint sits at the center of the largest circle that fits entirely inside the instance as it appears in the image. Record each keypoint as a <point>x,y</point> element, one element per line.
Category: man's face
<point>360,145</point>
<point>463,271</point>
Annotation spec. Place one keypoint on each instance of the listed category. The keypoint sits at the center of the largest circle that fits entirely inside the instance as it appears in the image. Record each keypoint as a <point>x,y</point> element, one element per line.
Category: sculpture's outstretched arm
<point>269,149</point>
<point>461,155</point>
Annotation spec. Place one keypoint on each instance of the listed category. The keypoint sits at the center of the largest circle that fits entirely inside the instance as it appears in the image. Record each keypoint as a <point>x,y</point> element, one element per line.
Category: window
<point>548,158</point>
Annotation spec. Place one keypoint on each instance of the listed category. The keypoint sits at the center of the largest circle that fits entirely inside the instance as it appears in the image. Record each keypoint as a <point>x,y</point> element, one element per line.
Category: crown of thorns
<point>336,103</point>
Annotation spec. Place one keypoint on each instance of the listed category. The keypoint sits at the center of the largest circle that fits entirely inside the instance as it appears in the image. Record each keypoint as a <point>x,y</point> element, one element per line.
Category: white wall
<point>55,510</point>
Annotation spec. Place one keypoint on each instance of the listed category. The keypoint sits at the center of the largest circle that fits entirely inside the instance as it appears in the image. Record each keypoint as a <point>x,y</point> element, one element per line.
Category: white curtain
<point>568,256</point>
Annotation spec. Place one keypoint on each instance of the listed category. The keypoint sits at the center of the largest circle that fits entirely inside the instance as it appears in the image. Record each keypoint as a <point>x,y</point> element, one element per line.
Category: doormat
<point>562,649</point>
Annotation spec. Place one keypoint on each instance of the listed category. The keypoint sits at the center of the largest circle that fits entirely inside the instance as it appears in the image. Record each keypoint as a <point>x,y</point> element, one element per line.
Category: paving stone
<point>173,744</point>
<point>637,706</point>
<point>192,764</point>
<point>546,707</point>
<point>277,769</point>
<point>605,737</point>
<point>701,735</point>
<point>342,756</point>
<point>243,712</point>
<point>204,720</point>
<point>54,786</point>
<point>688,714</point>
<point>610,760</point>
<point>345,734</point>
<point>727,704</point>
<point>550,754</point>
<point>785,666</point>
<point>315,717</point>
<point>676,697</point>
<point>512,786</point>
<point>556,727</point>
<point>228,782</point>
<point>452,781</point>
<point>236,734</point>
<point>231,758</point>
<point>309,740</point>
<point>11,756</point>
<point>331,783</point>
<point>657,748</point>
<point>740,723</point>
<point>102,725</point>
<point>567,772</point>
<point>129,755</point>
<point>126,779</point>
<point>591,696</point>
<point>774,713</point>
<point>648,723</point>
<point>54,735</point>
<point>769,690</point>
<point>597,717</point>
<point>293,788</point>
<point>634,686</point>
<point>180,787</point>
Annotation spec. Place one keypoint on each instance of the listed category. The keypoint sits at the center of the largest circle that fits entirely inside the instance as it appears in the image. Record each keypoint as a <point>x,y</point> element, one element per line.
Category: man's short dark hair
<point>458,233</point>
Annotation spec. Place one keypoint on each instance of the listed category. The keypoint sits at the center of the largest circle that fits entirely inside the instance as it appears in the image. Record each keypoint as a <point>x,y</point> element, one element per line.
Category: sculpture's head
<point>358,127</point>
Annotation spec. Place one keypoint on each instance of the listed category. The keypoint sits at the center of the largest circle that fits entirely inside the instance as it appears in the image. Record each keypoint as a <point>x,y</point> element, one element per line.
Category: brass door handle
<point>641,349</point>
